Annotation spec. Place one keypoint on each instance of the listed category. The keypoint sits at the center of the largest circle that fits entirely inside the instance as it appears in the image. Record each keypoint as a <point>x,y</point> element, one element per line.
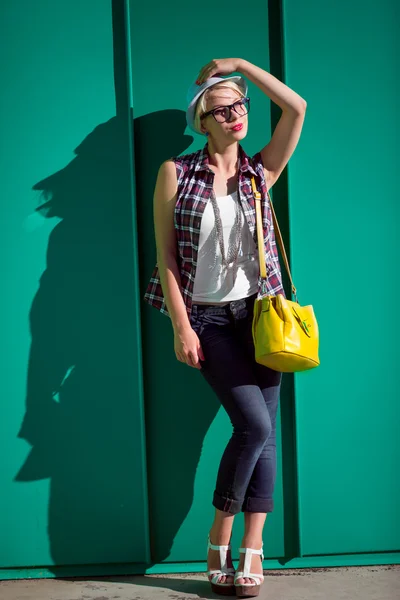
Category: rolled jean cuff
<point>227,504</point>
<point>262,505</point>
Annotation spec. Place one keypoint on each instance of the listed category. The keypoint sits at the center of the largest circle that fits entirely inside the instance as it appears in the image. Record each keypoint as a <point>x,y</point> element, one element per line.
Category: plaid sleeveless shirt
<point>195,184</point>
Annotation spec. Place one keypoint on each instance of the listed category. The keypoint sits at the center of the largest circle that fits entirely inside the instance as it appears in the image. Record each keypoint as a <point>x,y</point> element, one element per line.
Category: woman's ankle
<point>219,537</point>
<point>251,542</point>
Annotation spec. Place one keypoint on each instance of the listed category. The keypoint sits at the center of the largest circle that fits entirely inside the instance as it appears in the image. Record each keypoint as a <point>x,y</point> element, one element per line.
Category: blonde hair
<point>202,101</point>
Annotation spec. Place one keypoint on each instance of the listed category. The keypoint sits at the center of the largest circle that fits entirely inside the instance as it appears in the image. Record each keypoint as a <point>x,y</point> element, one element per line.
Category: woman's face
<point>224,131</point>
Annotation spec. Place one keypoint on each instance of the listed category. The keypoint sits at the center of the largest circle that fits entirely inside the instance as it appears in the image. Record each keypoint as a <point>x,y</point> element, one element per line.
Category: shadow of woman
<point>84,366</point>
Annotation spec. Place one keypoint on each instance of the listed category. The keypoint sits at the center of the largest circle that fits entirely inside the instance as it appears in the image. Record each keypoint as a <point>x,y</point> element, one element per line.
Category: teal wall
<point>71,425</point>
<point>342,188</point>
<point>182,414</point>
<point>110,446</point>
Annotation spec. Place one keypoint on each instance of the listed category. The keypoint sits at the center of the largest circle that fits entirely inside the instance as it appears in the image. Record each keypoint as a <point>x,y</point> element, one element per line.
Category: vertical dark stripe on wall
<point>120,58</point>
<point>281,204</point>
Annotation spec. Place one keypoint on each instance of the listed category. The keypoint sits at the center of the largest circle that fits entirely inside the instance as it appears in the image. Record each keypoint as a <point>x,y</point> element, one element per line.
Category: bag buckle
<point>264,287</point>
<point>301,322</point>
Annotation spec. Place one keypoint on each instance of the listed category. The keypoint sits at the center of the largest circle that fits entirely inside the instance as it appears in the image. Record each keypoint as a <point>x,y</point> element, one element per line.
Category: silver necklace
<point>230,261</point>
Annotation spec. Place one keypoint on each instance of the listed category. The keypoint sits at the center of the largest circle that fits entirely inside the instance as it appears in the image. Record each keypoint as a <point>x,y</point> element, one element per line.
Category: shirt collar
<point>203,161</point>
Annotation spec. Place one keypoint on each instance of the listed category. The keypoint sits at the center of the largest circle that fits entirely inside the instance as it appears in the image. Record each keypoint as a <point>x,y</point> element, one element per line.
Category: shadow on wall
<point>80,410</point>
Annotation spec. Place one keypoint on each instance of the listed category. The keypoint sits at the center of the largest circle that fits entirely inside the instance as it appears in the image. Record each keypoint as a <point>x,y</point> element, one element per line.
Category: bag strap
<point>260,236</point>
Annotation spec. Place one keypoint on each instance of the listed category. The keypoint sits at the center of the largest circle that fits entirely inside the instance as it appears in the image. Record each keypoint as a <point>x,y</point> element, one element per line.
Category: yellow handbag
<point>285,334</point>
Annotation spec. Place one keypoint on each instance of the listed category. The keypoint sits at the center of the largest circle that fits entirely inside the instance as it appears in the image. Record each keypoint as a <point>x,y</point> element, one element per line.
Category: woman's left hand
<point>217,67</point>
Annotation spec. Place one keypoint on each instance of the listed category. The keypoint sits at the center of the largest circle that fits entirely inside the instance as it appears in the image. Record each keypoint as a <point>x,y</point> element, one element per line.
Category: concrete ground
<point>345,583</point>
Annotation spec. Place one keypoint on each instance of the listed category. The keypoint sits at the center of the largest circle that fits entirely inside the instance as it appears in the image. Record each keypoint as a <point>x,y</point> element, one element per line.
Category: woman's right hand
<point>187,347</point>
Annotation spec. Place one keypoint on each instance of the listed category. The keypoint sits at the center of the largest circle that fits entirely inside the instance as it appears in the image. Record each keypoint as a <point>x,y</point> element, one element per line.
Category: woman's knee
<point>256,431</point>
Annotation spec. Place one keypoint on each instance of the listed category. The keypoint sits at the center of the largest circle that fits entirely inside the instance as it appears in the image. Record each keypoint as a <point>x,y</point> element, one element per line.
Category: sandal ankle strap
<point>252,551</point>
<point>215,547</point>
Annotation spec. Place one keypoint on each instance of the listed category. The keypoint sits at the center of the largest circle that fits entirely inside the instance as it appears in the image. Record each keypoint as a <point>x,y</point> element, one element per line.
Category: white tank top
<point>210,286</point>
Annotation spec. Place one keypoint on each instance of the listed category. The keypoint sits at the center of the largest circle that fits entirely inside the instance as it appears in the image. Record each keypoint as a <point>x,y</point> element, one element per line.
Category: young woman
<point>206,280</point>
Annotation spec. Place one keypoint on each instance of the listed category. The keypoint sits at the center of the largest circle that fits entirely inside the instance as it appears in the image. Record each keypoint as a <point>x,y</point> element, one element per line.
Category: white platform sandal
<point>225,589</point>
<point>248,590</point>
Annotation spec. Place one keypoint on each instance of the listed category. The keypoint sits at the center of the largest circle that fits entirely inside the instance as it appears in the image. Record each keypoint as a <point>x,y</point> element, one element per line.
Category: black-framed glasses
<point>224,113</point>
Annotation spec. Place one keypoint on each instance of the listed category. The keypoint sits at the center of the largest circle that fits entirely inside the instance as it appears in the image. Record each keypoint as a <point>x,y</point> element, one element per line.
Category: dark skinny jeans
<point>249,393</point>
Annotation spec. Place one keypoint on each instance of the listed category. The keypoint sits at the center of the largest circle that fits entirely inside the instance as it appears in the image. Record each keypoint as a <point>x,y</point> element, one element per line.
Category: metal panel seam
<point>136,267</point>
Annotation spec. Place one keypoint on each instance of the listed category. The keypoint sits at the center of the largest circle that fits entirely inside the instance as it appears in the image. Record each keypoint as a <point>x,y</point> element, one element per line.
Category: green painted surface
<point>72,477</point>
<point>73,497</point>
<point>344,213</point>
<point>309,562</point>
<point>187,429</point>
